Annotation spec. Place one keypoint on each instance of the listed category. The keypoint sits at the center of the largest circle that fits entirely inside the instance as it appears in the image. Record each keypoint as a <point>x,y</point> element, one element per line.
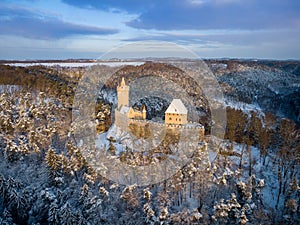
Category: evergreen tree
<point>6,218</point>
<point>53,214</point>
<point>67,216</point>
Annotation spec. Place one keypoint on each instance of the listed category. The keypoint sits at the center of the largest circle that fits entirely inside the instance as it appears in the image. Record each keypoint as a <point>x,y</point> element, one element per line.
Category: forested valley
<point>250,177</point>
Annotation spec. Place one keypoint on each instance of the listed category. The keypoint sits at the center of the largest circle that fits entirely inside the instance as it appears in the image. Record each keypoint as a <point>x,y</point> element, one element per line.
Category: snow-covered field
<point>77,64</point>
<point>245,107</point>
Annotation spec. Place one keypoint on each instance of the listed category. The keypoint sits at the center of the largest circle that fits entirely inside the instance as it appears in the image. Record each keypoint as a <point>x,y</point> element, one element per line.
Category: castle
<point>176,113</point>
<point>123,103</point>
<point>175,116</point>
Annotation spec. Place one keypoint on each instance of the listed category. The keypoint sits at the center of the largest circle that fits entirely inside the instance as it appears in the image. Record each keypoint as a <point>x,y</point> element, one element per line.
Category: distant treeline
<point>37,78</point>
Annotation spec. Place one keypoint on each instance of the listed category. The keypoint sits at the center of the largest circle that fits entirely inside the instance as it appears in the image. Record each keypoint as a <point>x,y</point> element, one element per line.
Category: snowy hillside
<point>274,88</point>
<point>251,176</point>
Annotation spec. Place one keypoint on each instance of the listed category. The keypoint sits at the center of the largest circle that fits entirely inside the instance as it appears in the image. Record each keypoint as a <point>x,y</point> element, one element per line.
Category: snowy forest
<point>252,177</point>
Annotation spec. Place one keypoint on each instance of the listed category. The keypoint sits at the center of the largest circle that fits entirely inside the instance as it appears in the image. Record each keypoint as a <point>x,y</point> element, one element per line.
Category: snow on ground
<point>212,156</point>
<point>266,172</point>
<point>245,107</point>
<point>101,140</point>
<point>109,96</point>
<point>9,88</point>
<point>77,64</point>
<point>121,138</point>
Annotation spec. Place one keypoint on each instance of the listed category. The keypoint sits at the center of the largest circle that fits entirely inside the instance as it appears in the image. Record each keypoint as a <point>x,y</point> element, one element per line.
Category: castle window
<point>170,118</point>
<point>179,119</point>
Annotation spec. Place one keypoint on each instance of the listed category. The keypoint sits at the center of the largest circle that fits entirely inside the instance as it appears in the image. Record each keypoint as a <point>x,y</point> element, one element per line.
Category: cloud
<point>202,14</point>
<point>228,38</point>
<point>224,16</point>
<point>131,6</point>
<point>25,23</point>
<point>217,2</point>
<point>272,44</point>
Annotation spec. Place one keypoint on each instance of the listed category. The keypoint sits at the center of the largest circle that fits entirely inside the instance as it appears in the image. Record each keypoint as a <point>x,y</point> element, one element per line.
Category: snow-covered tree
<point>67,215</point>
<point>53,214</point>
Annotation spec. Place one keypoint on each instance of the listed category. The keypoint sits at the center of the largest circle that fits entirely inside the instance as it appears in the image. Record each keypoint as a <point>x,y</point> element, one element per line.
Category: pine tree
<point>264,142</point>
<point>67,216</point>
<point>53,214</point>
<point>163,217</point>
<point>52,160</point>
<point>111,148</point>
<point>84,194</point>
<point>6,218</point>
<point>150,214</point>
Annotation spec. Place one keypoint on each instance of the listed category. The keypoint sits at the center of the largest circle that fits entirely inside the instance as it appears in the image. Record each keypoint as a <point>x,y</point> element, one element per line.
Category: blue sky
<point>58,29</point>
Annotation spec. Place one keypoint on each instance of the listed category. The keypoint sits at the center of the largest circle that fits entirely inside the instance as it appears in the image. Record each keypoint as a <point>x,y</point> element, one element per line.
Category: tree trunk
<point>250,160</point>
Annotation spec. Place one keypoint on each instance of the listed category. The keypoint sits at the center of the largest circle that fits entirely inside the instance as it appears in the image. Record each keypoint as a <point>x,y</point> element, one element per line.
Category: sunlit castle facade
<point>176,115</point>
<point>123,104</point>
<point>123,94</point>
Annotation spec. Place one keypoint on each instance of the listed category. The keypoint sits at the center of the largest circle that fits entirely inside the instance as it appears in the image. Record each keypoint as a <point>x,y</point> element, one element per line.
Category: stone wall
<point>123,122</point>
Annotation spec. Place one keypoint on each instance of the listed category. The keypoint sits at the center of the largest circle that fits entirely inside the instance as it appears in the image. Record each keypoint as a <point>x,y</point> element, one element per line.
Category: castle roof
<point>123,84</point>
<point>176,107</point>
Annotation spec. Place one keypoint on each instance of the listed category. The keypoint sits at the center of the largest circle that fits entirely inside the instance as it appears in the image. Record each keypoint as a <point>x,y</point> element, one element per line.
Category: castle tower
<point>123,94</point>
<point>144,112</point>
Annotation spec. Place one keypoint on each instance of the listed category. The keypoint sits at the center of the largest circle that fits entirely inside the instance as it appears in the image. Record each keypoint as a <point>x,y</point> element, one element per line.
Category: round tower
<point>123,94</point>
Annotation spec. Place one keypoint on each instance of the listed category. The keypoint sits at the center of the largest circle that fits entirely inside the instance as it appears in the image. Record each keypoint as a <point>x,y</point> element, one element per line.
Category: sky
<point>63,29</point>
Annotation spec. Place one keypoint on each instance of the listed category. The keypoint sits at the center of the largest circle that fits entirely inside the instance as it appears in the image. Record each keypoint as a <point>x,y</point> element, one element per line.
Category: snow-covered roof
<point>177,107</point>
<point>124,109</point>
